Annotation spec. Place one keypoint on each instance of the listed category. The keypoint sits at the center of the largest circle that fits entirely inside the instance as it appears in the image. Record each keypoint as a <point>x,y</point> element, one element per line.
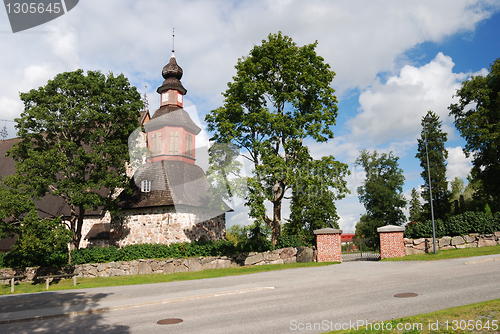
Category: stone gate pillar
<point>328,242</point>
<point>391,241</point>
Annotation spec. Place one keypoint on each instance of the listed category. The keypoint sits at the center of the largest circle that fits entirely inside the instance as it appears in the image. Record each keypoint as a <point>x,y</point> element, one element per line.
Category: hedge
<point>466,223</point>
<point>147,251</point>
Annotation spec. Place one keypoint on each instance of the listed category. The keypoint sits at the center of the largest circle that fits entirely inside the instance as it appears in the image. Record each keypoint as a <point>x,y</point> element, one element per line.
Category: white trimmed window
<point>189,146</point>
<point>156,143</point>
<point>145,186</point>
<point>174,143</point>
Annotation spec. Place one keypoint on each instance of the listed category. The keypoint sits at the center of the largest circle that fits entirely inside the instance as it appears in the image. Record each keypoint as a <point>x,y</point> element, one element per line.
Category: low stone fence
<point>425,245</point>
<point>168,266</point>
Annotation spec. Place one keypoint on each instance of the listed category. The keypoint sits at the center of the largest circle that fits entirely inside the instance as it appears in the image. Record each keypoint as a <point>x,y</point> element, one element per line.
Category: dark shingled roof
<point>7,243</point>
<point>168,116</point>
<point>172,183</point>
<point>142,116</point>
<point>48,206</point>
<point>172,73</point>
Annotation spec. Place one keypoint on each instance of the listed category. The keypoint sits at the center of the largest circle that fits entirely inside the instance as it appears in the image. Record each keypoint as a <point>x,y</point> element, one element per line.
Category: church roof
<point>172,183</point>
<point>172,73</point>
<point>48,206</point>
<point>172,116</point>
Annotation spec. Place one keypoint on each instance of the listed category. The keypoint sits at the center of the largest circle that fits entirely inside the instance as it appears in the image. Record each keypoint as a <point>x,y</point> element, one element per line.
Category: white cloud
<point>359,39</point>
<point>458,164</point>
<point>393,110</point>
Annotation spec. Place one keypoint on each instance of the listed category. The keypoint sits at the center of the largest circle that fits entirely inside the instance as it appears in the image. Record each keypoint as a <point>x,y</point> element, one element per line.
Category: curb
<point>491,259</point>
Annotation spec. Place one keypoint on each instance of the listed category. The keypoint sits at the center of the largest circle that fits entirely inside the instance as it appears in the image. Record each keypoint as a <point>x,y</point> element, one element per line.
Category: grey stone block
<point>271,256</point>
<point>305,254</point>
<point>486,242</point>
<point>418,241</point>
<point>458,240</point>
<point>144,268</point>
<point>253,259</point>
<point>412,251</point>
<point>194,265</point>
<point>444,241</point>
<point>469,238</point>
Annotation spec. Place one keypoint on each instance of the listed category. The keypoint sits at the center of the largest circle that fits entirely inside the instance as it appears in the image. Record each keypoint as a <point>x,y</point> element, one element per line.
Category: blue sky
<point>394,61</point>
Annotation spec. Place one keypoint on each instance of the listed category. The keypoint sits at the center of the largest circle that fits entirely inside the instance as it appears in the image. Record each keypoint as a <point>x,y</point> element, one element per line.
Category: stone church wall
<point>166,225</point>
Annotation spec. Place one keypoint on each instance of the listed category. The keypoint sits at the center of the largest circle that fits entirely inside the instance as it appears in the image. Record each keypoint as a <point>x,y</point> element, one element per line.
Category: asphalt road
<point>305,300</point>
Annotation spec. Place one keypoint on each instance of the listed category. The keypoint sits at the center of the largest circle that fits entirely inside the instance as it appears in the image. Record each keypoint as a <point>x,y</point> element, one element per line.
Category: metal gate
<point>366,249</point>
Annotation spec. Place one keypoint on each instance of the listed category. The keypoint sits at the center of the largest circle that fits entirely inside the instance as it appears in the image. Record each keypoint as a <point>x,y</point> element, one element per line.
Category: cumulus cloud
<point>458,164</point>
<point>393,110</point>
<point>360,40</point>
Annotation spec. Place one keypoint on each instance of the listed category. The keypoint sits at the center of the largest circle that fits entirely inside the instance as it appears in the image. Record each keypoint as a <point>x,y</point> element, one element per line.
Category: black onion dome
<point>172,69</point>
<point>172,73</point>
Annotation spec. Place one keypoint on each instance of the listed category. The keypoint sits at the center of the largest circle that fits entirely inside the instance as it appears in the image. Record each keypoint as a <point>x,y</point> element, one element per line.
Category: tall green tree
<point>381,192</point>
<point>280,96</point>
<point>313,202</point>
<point>477,119</point>
<point>416,209</point>
<point>74,133</point>
<point>436,139</point>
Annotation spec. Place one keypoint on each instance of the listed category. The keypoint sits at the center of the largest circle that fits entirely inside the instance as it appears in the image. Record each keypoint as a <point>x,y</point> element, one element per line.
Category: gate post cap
<point>391,228</point>
<point>328,230</point>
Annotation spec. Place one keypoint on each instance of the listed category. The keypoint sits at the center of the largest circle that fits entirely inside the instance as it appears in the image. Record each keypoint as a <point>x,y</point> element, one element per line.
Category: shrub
<point>468,222</point>
<point>286,241</point>
<point>153,251</point>
<point>415,230</point>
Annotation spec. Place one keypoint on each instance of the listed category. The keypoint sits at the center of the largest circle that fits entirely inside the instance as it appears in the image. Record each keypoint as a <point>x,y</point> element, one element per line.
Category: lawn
<point>482,317</point>
<point>449,254</point>
<point>85,283</point>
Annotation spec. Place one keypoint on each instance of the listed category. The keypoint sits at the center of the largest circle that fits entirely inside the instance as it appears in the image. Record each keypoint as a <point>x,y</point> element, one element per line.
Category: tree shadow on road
<point>39,304</point>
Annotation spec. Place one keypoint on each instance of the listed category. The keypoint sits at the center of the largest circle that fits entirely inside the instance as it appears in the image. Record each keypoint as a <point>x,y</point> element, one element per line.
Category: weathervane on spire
<point>173,39</point>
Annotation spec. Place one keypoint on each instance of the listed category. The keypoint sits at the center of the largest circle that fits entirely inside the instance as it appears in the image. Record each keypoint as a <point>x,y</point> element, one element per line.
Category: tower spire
<point>173,40</point>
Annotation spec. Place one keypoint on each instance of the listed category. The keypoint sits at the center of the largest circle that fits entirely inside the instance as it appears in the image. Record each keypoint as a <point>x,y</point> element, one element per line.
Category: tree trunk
<point>279,192</point>
<point>76,223</point>
<point>276,223</point>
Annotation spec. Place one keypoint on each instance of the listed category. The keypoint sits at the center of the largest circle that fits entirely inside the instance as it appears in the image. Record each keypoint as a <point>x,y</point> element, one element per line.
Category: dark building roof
<point>143,115</point>
<point>172,116</point>
<point>7,166</point>
<point>172,73</point>
<point>7,243</point>
<point>172,183</point>
<point>48,206</point>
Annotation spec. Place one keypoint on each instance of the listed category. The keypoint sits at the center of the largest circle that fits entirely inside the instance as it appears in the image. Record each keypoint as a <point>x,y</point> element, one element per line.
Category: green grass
<point>463,319</point>
<point>85,283</point>
<point>449,254</point>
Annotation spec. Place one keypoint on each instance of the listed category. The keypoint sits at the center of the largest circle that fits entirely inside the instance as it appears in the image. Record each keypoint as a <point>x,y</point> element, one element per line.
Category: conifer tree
<point>436,139</point>
<point>416,209</point>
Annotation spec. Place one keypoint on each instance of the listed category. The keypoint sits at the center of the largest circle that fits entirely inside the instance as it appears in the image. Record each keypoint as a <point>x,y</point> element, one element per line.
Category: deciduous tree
<point>280,96</point>
<point>477,118</point>
<point>381,192</point>
<point>74,133</point>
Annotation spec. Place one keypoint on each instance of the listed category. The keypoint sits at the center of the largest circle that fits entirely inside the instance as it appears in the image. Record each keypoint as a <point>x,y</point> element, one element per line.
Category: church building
<point>170,200</point>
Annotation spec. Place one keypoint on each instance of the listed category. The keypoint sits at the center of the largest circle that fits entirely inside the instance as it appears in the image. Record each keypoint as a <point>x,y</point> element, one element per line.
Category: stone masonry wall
<point>391,245</point>
<point>425,245</point>
<point>167,266</point>
<point>166,225</point>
